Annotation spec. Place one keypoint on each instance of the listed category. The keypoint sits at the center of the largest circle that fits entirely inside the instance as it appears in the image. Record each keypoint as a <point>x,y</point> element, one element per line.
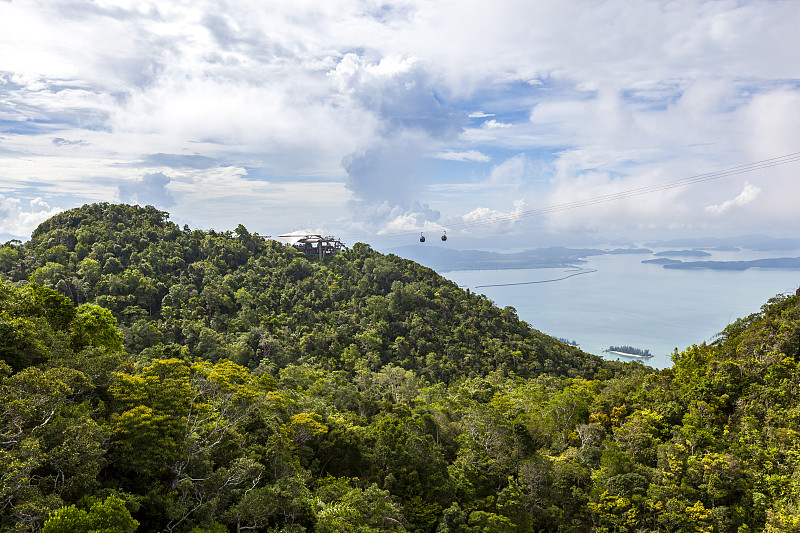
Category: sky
<point>373,121</point>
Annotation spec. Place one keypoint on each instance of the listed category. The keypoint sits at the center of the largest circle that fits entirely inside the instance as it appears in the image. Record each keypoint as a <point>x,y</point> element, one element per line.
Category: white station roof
<point>300,235</point>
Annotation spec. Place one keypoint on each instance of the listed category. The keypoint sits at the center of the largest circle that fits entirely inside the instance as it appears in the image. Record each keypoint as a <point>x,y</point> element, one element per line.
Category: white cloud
<point>493,125</point>
<point>618,142</point>
<point>619,95</point>
<point>617,41</point>
<point>748,194</point>
<point>596,201</point>
<point>15,220</point>
<point>493,220</point>
<point>512,172</point>
<point>387,218</point>
<point>409,118</point>
<point>410,222</point>
<point>468,155</point>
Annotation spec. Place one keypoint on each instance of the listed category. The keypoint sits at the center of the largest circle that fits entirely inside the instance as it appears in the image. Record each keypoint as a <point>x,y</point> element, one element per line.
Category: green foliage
<point>236,295</point>
<point>107,516</point>
<point>32,323</point>
<point>485,522</point>
<point>218,381</point>
<point>95,326</point>
<point>20,343</point>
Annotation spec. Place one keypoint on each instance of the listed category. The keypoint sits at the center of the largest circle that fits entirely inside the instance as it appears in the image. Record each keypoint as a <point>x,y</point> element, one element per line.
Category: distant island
<point>567,341</point>
<point>683,253</point>
<point>444,259</point>
<point>777,262</point>
<point>662,261</point>
<point>629,351</point>
<point>629,251</point>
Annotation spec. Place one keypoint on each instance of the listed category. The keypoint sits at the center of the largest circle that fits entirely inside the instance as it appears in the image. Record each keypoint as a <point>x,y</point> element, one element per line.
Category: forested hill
<point>251,389</point>
<point>235,295</point>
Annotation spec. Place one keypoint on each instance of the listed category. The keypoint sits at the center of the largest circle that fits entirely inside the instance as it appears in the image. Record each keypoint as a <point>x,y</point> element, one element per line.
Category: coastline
<point>624,354</point>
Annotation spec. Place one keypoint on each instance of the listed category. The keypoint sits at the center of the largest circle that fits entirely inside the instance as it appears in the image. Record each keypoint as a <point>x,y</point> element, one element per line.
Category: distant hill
<point>682,253</point>
<point>749,242</point>
<point>777,262</point>
<point>444,259</point>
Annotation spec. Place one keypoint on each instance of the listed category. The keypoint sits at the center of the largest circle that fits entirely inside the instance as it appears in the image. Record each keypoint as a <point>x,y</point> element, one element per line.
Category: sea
<point>616,300</point>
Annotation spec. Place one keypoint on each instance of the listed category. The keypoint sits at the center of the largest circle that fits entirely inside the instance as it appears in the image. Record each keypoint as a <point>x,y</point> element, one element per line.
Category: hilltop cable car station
<point>312,244</point>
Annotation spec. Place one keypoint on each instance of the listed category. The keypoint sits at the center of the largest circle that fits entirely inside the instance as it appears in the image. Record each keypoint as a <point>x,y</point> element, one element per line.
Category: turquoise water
<point>625,302</point>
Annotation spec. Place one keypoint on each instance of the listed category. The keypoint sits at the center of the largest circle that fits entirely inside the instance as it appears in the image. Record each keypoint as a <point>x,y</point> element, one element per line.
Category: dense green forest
<point>158,378</point>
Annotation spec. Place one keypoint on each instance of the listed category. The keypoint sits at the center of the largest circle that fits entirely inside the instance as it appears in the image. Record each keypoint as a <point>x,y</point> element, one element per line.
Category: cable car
<point>444,236</point>
<point>421,237</point>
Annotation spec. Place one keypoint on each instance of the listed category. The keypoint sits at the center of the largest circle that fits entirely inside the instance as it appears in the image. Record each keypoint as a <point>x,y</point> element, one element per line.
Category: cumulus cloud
<point>20,222</point>
<point>418,216</point>
<point>467,155</point>
<point>493,125</point>
<point>392,218</point>
<point>384,173</point>
<point>150,189</point>
<point>748,194</point>
<point>496,221</point>
<point>398,93</point>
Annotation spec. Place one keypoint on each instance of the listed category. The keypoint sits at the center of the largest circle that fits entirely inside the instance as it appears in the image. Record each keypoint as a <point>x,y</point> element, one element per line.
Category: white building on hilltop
<point>312,244</point>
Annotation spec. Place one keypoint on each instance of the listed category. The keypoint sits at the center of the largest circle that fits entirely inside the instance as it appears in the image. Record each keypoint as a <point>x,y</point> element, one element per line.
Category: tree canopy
<point>154,378</point>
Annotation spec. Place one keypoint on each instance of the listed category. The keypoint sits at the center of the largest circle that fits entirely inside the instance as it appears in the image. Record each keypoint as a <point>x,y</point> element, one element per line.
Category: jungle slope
<point>258,390</point>
<point>254,301</point>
